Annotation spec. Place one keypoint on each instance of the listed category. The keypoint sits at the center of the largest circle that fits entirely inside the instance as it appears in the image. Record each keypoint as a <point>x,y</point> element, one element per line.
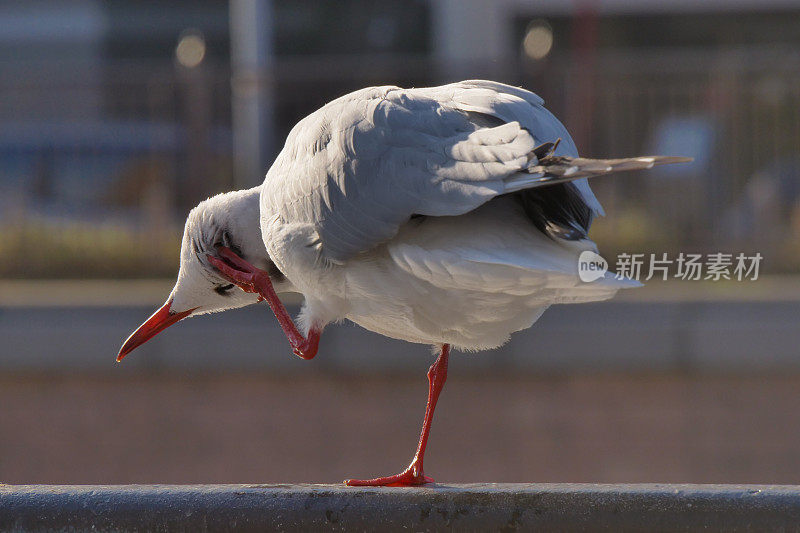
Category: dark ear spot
<point>226,240</point>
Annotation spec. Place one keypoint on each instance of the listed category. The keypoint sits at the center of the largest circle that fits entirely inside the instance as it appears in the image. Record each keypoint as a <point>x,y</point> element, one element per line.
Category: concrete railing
<point>477,507</point>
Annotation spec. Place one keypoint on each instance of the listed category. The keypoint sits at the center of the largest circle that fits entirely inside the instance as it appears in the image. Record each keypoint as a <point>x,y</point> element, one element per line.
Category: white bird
<point>448,216</point>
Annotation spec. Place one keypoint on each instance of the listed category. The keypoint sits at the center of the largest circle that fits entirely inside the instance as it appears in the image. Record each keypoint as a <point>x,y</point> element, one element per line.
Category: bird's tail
<point>548,169</point>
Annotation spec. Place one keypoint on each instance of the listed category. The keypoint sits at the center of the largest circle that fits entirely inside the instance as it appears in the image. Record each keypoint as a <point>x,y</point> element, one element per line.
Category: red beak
<point>158,322</point>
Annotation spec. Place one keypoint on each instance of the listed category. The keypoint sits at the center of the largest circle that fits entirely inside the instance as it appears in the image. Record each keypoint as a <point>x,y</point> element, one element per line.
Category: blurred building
<point>120,113</point>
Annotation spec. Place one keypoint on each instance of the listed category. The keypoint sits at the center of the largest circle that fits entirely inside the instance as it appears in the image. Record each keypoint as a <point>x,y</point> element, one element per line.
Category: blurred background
<point>117,117</point>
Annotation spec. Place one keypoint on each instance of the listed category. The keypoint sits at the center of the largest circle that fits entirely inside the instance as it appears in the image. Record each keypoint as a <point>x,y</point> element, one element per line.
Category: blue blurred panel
<point>685,136</point>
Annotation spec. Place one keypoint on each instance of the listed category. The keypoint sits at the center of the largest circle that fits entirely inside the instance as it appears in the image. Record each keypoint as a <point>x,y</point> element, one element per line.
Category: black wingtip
<point>546,149</point>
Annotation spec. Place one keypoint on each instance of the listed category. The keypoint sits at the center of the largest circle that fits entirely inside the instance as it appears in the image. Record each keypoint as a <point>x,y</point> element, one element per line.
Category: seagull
<point>451,216</point>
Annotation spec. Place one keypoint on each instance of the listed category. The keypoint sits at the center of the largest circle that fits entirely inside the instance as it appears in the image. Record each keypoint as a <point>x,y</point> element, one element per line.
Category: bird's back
<point>358,168</point>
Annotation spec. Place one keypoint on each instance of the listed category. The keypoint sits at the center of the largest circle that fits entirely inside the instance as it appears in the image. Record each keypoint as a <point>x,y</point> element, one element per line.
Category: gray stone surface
<point>476,507</point>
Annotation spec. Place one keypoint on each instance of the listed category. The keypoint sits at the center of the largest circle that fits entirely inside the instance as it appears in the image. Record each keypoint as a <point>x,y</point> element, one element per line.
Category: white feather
<point>469,281</point>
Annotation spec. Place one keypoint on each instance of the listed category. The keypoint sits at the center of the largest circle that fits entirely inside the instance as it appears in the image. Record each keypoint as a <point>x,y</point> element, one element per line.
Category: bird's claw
<point>236,261</point>
<point>254,280</point>
<point>412,476</point>
<point>403,479</point>
<point>236,270</point>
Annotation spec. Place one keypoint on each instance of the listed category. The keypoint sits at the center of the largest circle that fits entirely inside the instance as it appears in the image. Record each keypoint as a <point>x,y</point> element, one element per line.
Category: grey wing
<point>508,105</point>
<point>361,166</point>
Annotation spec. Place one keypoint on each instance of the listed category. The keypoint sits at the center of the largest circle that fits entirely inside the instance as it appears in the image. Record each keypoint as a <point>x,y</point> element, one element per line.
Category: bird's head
<point>230,220</point>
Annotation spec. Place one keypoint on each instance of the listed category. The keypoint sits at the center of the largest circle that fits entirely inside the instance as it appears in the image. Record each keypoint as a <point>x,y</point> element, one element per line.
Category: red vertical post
<point>584,40</point>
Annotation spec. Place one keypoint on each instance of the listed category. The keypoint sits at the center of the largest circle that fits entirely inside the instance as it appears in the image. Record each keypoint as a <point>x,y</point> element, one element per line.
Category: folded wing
<point>363,165</point>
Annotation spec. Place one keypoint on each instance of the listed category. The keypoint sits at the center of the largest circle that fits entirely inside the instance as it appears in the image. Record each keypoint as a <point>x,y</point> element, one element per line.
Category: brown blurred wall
<point>236,428</point>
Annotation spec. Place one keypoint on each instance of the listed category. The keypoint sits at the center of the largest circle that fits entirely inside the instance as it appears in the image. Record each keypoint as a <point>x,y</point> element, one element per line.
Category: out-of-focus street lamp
<point>538,40</point>
<point>191,49</point>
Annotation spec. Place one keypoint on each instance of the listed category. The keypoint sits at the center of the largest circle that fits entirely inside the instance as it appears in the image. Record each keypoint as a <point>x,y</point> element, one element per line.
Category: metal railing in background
<point>738,114</point>
<point>97,174</point>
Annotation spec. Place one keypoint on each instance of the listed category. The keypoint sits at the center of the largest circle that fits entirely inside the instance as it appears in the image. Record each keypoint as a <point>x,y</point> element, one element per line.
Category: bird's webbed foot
<point>241,273</point>
<point>254,280</point>
<point>410,477</point>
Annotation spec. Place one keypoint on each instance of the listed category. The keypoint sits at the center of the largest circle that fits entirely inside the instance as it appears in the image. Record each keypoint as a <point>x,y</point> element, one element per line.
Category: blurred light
<point>191,49</point>
<point>538,40</point>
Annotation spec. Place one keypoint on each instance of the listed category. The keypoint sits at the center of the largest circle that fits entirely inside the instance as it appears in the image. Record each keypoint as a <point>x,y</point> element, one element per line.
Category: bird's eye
<point>223,289</point>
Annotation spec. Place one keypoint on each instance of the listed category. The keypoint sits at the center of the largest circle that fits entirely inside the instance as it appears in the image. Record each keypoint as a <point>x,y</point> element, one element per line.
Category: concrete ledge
<point>492,507</point>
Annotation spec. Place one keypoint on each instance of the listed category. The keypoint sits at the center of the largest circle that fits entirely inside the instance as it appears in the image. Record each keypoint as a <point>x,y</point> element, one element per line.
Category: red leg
<point>252,279</point>
<point>414,475</point>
